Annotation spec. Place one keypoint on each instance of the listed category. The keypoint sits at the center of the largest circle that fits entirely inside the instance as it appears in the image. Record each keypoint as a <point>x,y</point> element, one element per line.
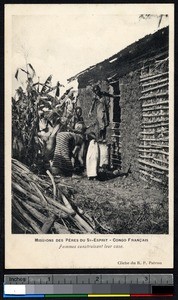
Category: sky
<point>63,44</point>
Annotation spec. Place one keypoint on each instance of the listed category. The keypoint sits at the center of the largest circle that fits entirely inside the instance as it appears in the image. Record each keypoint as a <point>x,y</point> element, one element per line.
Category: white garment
<point>104,154</point>
<point>92,159</point>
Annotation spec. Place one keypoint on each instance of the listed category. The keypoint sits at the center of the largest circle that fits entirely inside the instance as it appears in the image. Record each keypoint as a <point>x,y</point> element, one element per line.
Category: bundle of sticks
<point>40,205</point>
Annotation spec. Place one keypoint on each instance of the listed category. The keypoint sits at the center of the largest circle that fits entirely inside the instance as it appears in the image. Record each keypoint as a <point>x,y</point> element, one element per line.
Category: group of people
<point>68,146</point>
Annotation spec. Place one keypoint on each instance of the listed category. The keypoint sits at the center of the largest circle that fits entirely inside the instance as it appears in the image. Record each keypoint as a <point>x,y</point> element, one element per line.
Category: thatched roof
<point>129,59</point>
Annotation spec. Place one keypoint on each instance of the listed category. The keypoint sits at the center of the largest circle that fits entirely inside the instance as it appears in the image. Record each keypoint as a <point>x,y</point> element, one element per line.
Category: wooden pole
<point>154,96</point>
<point>144,78</point>
<point>155,103</point>
<point>155,82</point>
<point>155,88</point>
<point>153,165</point>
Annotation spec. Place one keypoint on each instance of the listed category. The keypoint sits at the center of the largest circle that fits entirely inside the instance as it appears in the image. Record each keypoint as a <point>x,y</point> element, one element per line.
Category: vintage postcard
<point>89,136</point>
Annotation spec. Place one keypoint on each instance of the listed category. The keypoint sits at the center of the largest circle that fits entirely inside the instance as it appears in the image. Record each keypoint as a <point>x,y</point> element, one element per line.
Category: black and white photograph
<point>90,124</point>
<point>89,139</point>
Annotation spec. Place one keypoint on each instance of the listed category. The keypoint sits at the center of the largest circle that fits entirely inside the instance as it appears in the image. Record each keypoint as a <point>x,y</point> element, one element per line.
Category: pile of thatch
<point>39,205</point>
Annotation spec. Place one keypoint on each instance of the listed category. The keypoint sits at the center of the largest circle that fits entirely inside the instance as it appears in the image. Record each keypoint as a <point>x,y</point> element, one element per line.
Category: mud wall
<point>84,100</point>
<point>130,121</point>
<point>130,126</point>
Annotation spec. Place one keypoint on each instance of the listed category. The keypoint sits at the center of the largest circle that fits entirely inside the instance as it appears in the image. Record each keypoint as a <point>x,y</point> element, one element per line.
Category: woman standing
<point>102,111</point>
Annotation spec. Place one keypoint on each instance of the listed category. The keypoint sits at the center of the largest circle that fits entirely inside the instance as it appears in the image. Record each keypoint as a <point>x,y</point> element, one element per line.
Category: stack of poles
<point>40,206</point>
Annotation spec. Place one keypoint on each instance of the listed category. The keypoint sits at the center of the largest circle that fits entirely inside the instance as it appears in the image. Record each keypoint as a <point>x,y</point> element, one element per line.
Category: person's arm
<point>111,96</point>
<point>55,130</point>
<point>76,151</point>
<point>92,107</point>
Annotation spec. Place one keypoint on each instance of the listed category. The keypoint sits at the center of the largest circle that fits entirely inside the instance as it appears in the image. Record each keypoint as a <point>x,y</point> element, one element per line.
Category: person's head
<point>79,128</point>
<point>78,111</point>
<point>96,89</point>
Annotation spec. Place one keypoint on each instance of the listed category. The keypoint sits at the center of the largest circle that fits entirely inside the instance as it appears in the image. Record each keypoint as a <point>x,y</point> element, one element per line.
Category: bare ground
<point>122,205</point>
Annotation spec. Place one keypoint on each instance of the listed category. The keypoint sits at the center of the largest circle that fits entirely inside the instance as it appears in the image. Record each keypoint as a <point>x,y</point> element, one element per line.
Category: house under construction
<point>138,132</point>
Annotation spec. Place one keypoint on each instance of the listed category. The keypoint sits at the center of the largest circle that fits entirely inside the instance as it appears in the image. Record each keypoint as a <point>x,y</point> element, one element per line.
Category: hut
<point>138,130</point>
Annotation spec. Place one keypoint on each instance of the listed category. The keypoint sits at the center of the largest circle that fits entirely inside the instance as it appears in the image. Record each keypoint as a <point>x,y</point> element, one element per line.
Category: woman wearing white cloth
<point>92,158</point>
